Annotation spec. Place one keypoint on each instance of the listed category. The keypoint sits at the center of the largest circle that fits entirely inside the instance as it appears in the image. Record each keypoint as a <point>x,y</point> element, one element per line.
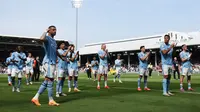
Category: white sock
<point>98,83</point>
<point>36,96</point>
<point>50,98</point>
<point>105,83</point>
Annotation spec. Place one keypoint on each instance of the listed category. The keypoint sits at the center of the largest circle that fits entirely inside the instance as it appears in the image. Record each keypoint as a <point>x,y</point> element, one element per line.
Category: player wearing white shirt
<point>29,69</point>
<point>118,67</point>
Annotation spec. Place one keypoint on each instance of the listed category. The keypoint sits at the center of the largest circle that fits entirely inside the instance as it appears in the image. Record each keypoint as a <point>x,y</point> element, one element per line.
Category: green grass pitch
<point>119,98</point>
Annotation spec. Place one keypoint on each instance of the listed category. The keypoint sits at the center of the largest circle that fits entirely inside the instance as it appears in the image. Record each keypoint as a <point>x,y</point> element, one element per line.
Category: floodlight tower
<point>77,4</point>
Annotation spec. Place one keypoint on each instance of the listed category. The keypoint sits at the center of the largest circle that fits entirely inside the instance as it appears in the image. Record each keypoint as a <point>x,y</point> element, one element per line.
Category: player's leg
<point>99,80</point>
<point>95,74</point>
<point>178,74</point>
<point>50,92</point>
<point>169,80</point>
<point>70,79</point>
<point>61,87</point>
<point>87,71</point>
<point>105,81</point>
<point>99,76</point>
<point>51,70</point>
<point>58,85</point>
<point>31,75</point>
<point>165,77</point>
<point>42,88</point>
<point>189,83</point>
<point>174,73</point>
<point>119,77</point>
<point>150,72</point>
<point>90,76</point>
<point>48,83</point>
<point>184,73</point>
<point>19,75</point>
<point>189,80</point>
<point>27,76</point>
<point>141,73</point>
<point>105,70</point>
<point>115,77</point>
<point>9,76</point>
<point>145,81</point>
<point>76,81</point>
<point>13,74</point>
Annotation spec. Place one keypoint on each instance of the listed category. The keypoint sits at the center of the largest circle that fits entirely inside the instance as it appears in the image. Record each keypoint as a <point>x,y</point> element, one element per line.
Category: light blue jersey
<point>142,64</point>
<point>118,63</point>
<point>104,61</point>
<point>29,62</point>
<point>20,63</point>
<point>166,58</point>
<point>50,50</point>
<point>74,64</point>
<point>10,65</point>
<point>185,55</point>
<point>94,64</point>
<point>62,64</point>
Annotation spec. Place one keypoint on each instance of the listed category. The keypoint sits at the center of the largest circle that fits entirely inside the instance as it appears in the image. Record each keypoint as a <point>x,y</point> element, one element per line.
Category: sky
<point>99,20</point>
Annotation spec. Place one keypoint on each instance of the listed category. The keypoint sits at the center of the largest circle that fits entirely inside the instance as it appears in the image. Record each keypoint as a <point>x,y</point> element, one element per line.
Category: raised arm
<point>166,51</point>
<point>23,57</point>
<point>60,56</point>
<point>73,58</point>
<point>43,37</point>
<point>65,53</point>
<point>145,57</point>
<point>183,59</point>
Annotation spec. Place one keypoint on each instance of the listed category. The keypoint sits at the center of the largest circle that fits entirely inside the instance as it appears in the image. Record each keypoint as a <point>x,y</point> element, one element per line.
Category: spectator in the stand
<point>88,70</point>
<point>176,68</point>
<point>36,68</point>
<point>150,69</point>
<point>159,68</point>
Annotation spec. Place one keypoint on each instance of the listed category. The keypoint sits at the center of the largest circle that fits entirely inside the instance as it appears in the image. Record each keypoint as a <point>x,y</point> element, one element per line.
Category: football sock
<point>27,81</point>
<point>105,82</point>
<point>36,96</point>
<point>61,86</point>
<point>13,81</point>
<point>189,85</point>
<point>58,86</point>
<point>168,84</point>
<point>139,81</point>
<point>145,82</point>
<point>164,86</point>
<point>69,84</point>
<point>19,82</point>
<point>50,90</point>
<point>181,86</point>
<point>9,79</point>
<point>30,78</point>
<point>43,87</point>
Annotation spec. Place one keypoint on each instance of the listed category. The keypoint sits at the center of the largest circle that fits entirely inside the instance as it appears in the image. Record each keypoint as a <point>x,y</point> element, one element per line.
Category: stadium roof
<point>28,37</point>
<point>151,42</point>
